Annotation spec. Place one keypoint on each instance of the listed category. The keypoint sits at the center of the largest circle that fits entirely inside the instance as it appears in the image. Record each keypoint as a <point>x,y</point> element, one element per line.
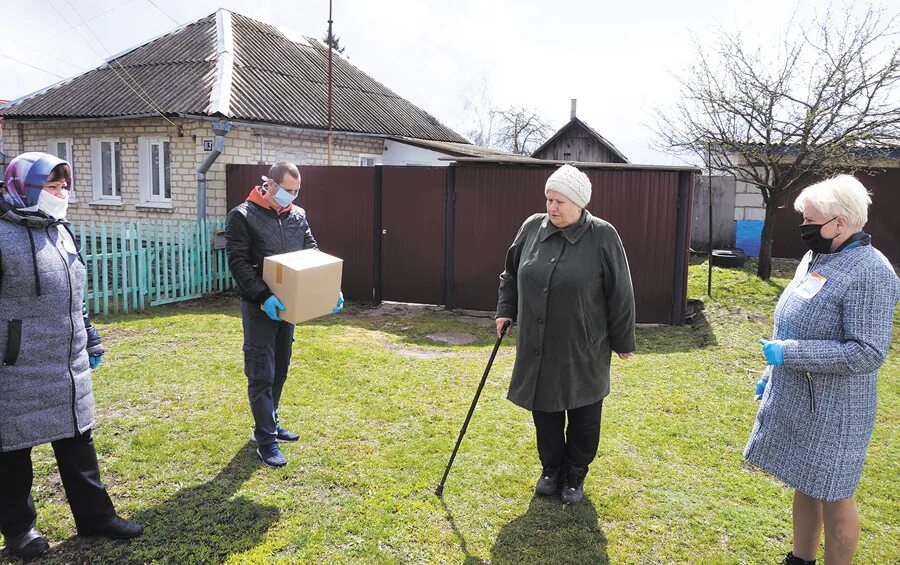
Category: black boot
<point>573,489</point>
<point>27,545</point>
<point>548,484</point>
<point>114,528</point>
<point>791,559</point>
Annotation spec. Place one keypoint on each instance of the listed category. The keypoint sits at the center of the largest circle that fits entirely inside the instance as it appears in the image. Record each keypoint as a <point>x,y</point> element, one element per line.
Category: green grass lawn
<point>378,407</point>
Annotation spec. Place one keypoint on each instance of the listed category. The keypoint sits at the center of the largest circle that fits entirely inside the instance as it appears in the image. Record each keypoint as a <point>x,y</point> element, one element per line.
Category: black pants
<point>77,462</point>
<point>267,355</point>
<point>575,446</point>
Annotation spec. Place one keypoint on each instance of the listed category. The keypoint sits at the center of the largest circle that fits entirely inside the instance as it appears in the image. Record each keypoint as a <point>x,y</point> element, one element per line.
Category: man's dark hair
<point>281,168</point>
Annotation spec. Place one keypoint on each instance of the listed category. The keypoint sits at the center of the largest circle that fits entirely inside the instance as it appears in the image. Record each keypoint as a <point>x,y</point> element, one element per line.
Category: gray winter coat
<point>45,379</point>
<point>818,411</point>
<point>569,291</point>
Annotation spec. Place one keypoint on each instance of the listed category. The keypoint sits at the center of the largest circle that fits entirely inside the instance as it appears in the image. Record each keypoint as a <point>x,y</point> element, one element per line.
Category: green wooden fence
<point>133,265</point>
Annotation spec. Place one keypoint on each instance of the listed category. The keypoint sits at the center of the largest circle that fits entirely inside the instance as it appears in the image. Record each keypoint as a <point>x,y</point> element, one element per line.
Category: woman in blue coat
<point>833,327</point>
<point>48,348</point>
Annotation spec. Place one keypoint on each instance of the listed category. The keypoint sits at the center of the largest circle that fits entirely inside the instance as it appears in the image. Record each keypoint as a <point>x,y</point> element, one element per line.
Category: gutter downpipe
<point>220,129</point>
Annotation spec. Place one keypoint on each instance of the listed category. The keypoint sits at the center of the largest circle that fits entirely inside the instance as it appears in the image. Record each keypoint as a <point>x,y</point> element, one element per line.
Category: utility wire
<point>164,12</point>
<point>30,65</point>
<point>124,70</point>
<point>36,50</point>
<point>147,100</point>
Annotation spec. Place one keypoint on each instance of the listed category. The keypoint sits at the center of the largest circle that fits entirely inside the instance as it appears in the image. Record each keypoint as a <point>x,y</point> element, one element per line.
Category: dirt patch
<point>452,338</point>
<point>398,310</point>
<point>410,351</point>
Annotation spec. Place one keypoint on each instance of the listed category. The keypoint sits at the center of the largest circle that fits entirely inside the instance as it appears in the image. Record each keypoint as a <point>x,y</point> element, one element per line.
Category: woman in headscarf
<point>48,349</point>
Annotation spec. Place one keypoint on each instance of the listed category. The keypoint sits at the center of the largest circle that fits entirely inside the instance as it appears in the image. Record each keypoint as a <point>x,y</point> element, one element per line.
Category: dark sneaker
<point>548,484</point>
<point>283,435</point>
<point>791,559</point>
<point>115,528</point>
<point>271,455</point>
<point>573,486</point>
<point>27,545</point>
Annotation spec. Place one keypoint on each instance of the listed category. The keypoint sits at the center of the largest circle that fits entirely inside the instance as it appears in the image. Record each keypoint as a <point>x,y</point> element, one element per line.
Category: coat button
<point>544,290</point>
<point>553,259</point>
<point>540,320</point>
<point>537,351</point>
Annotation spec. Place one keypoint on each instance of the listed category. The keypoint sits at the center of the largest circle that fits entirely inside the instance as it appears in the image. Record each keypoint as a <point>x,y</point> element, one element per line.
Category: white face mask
<point>53,206</point>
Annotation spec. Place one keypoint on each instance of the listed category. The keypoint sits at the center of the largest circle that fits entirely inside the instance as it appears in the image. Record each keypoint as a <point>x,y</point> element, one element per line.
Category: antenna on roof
<point>330,49</point>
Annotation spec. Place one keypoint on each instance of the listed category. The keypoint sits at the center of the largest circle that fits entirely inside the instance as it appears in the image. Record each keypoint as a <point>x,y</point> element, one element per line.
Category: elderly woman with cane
<point>567,286</point>
<point>832,332</point>
<point>48,348</point>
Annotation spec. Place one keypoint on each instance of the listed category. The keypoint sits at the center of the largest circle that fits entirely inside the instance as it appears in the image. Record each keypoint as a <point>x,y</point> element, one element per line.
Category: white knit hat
<point>571,183</point>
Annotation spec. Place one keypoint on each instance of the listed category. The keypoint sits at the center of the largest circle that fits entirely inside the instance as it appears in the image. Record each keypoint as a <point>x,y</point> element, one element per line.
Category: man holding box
<point>266,224</point>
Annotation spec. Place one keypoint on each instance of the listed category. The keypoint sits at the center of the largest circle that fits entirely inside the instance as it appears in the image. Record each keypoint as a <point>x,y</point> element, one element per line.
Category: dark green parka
<point>569,291</point>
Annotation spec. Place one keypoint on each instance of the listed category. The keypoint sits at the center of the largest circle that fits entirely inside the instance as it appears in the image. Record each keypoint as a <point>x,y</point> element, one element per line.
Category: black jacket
<point>253,233</point>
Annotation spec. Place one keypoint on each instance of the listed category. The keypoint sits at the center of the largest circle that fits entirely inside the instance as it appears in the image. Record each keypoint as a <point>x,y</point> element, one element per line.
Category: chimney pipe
<point>574,104</point>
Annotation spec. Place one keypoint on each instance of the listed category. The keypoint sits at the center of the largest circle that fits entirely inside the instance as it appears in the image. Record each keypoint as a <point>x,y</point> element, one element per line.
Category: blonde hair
<point>842,195</point>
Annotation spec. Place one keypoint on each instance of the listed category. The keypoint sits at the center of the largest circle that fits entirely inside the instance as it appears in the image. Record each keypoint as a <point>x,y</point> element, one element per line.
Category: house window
<point>62,148</point>
<point>155,166</point>
<point>106,169</point>
<point>367,160</point>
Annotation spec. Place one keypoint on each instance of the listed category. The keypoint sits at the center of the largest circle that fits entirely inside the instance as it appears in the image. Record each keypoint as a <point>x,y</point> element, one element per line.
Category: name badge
<point>811,285</point>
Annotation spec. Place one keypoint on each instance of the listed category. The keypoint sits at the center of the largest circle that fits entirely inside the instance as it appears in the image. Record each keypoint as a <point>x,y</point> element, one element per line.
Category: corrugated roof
<point>458,149</point>
<point>272,80</point>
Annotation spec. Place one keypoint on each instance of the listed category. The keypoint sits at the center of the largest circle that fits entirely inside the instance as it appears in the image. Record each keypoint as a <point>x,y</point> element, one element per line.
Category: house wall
<point>401,154</point>
<point>578,144</point>
<point>243,145</point>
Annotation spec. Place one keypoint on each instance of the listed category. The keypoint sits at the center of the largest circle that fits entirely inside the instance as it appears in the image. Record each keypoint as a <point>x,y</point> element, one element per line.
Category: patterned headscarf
<point>25,177</point>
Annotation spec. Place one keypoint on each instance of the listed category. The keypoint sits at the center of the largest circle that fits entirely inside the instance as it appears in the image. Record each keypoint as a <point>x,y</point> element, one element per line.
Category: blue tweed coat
<point>817,413</point>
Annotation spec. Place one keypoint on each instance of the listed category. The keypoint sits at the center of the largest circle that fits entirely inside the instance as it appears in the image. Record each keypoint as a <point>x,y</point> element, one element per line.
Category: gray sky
<point>616,58</point>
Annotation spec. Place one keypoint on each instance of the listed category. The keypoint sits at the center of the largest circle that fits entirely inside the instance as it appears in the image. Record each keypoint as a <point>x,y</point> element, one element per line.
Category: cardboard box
<point>307,283</point>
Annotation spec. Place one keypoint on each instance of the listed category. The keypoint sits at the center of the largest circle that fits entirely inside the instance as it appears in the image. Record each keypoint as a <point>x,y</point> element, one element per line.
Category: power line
<point>36,50</point>
<point>30,65</point>
<point>92,18</point>
<point>164,13</point>
<point>148,100</point>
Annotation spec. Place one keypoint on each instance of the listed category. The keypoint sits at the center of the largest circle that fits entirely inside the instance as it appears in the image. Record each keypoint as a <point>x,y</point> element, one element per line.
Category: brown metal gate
<point>643,205</point>
<point>413,226</point>
<point>439,235</point>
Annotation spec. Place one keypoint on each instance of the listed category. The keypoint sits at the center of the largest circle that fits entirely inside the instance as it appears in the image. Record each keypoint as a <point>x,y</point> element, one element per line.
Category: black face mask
<point>811,234</point>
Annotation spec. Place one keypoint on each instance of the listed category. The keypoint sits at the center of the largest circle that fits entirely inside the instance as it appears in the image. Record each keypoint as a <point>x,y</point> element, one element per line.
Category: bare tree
<point>826,100</point>
<point>515,129</point>
<point>522,130</point>
<point>483,115</point>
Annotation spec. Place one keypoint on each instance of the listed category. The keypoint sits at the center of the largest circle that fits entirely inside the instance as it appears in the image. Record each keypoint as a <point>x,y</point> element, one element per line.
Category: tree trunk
<point>764,269</point>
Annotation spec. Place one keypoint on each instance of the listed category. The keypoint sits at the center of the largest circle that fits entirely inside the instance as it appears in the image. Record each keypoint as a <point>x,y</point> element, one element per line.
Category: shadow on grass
<point>469,558</point>
<point>200,524</point>
<point>551,532</point>
<point>696,333</point>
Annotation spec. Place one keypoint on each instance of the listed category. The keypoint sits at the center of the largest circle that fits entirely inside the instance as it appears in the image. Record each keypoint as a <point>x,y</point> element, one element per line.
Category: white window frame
<point>97,170</point>
<point>145,170</point>
<point>367,156</point>
<point>70,158</point>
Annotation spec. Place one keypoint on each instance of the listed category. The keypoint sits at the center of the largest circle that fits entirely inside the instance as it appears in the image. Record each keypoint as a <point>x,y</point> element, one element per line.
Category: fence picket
<point>135,264</point>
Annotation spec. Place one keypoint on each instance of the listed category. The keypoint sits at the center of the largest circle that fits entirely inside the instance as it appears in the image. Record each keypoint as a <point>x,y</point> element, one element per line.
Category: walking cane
<point>440,489</point>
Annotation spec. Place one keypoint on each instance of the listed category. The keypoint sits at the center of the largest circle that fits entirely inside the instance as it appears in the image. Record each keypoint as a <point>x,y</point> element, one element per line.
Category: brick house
<point>137,128</point>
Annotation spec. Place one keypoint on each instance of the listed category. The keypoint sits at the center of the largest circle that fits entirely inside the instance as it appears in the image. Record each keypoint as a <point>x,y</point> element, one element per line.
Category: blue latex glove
<point>340,303</point>
<point>94,361</point>
<point>271,306</point>
<point>760,388</point>
<point>773,350</point>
